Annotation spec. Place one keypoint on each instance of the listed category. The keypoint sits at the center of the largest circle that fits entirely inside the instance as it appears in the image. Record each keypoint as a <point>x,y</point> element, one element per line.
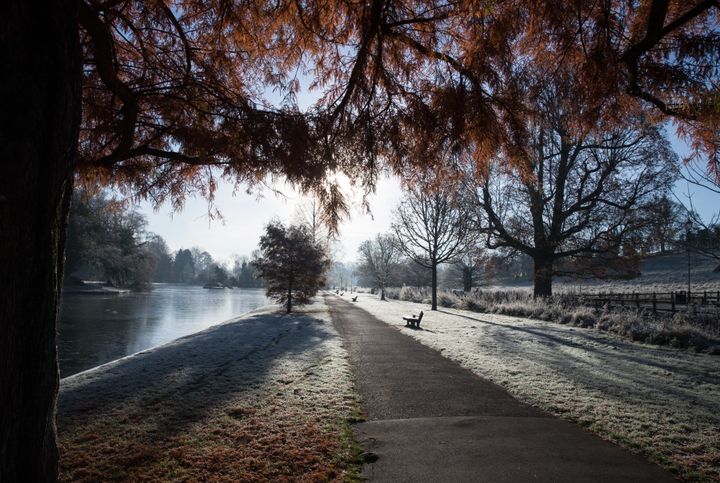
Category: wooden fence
<point>680,301</point>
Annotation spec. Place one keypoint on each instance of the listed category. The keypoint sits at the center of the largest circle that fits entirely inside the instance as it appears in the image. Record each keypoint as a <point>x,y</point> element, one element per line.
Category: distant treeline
<point>109,242</point>
<point>195,266</point>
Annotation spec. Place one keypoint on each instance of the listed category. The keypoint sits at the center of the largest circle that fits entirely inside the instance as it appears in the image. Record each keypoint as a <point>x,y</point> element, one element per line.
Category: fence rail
<point>680,301</point>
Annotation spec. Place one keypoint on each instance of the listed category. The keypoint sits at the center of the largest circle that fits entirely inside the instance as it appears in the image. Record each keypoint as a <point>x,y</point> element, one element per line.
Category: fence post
<point>672,302</point>
<point>654,300</point>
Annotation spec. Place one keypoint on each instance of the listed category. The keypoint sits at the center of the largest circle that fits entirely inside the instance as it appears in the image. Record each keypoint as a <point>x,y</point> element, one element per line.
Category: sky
<point>245,216</point>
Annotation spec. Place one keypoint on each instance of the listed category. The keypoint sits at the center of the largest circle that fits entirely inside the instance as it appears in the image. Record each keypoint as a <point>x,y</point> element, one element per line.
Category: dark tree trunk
<point>39,120</point>
<point>382,291</point>
<point>467,273</point>
<point>543,276</point>
<point>434,287</point>
<point>289,297</point>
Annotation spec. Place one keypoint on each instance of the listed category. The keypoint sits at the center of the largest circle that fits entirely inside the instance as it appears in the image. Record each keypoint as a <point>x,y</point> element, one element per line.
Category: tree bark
<point>467,273</point>
<point>543,276</point>
<point>289,297</point>
<point>434,287</point>
<point>382,291</point>
<point>39,121</point>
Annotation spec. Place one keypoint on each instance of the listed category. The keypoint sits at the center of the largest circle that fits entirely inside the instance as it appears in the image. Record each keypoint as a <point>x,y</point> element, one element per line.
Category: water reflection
<point>95,329</point>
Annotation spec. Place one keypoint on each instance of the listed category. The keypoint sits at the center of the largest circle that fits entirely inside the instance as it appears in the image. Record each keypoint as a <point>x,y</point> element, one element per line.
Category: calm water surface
<point>95,329</point>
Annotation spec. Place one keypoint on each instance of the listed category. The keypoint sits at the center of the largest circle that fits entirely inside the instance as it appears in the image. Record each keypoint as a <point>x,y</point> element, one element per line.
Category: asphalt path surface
<point>430,420</point>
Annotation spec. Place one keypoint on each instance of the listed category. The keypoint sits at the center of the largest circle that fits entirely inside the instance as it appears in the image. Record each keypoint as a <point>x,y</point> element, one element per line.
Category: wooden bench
<point>413,320</point>
<point>354,299</point>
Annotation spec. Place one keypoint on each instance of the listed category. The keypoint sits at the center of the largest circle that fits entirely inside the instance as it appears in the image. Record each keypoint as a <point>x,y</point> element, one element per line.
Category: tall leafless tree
<point>377,257</point>
<point>577,194</point>
<point>706,226</point>
<point>467,269</point>
<point>431,229</point>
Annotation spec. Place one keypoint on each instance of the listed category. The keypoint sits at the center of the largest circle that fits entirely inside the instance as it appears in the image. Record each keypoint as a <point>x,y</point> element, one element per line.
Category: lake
<point>95,329</point>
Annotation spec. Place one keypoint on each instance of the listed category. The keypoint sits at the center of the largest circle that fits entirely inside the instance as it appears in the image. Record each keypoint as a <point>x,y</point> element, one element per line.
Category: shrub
<point>392,292</point>
<point>448,299</point>
<point>414,294</point>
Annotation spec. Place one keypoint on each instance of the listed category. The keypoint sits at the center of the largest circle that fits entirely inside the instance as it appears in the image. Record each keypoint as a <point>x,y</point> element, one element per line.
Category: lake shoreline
<point>149,350</point>
<point>262,396</point>
<point>95,329</point>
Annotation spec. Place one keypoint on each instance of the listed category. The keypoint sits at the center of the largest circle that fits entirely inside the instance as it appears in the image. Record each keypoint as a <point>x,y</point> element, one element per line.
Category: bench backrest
<point>420,316</point>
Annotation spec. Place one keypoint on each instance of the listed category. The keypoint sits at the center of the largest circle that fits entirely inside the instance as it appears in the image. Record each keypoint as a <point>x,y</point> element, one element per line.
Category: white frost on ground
<point>289,372</point>
<point>660,401</point>
<point>261,348</point>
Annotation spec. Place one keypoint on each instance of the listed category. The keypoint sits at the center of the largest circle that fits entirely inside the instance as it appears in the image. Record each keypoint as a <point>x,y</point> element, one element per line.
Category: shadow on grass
<point>419,329</point>
<point>180,383</point>
<point>553,338</point>
<point>609,364</point>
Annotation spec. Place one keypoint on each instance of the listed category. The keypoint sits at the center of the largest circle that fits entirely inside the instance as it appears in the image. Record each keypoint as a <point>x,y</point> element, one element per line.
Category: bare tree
<point>694,173</point>
<point>467,268</point>
<point>664,218</point>
<point>311,214</point>
<point>377,257</point>
<point>341,275</point>
<point>576,194</point>
<point>702,233</point>
<point>702,238</point>
<point>431,229</point>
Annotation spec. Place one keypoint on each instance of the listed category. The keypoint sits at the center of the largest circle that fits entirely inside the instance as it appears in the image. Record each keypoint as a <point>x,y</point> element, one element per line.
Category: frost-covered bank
<point>661,402</point>
<point>263,397</point>
<point>699,330</point>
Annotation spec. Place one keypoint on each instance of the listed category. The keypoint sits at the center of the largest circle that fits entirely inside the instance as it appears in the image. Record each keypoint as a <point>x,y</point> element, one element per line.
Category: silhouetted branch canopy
<point>179,93</point>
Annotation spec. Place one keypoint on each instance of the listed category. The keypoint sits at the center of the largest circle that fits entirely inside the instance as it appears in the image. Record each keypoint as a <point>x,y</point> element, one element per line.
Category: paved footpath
<point>429,419</point>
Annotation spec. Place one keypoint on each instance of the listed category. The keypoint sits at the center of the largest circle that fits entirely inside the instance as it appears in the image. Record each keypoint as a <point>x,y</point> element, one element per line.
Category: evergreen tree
<point>184,267</point>
<point>292,265</point>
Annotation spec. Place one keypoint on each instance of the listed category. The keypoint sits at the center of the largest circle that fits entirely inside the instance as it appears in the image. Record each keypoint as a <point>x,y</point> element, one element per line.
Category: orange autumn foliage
<point>174,87</point>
